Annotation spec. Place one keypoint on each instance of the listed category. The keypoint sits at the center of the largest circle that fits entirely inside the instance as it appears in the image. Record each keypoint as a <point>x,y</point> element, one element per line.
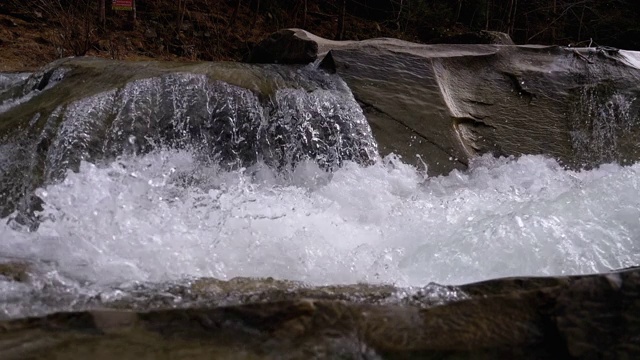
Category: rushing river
<point>168,214</point>
<point>164,216</point>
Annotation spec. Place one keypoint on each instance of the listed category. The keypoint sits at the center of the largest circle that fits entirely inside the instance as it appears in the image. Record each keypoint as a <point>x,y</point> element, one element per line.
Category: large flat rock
<point>580,317</point>
<point>447,103</point>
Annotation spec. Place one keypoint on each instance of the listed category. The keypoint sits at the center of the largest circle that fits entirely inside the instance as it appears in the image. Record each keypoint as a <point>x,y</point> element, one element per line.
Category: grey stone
<point>579,317</point>
<point>448,103</point>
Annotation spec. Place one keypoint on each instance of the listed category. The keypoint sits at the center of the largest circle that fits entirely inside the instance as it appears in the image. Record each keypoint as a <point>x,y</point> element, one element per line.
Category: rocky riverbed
<point>373,199</point>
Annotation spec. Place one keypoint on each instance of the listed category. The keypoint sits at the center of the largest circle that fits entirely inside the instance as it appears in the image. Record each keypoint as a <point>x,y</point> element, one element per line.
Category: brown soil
<point>24,45</point>
<point>35,32</point>
<point>31,37</point>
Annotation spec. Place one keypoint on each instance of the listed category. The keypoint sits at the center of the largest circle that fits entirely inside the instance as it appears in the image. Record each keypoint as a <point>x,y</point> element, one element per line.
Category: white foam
<point>631,57</point>
<point>164,216</point>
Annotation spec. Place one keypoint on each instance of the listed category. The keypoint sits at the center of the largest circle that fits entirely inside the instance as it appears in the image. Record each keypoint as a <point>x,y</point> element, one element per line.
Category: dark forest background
<point>227,29</point>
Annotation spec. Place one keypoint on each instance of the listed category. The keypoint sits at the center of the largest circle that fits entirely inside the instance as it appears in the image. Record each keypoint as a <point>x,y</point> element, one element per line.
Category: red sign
<point>126,5</point>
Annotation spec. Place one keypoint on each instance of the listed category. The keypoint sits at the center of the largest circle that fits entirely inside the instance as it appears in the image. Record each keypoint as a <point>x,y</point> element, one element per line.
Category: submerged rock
<point>574,317</point>
<point>15,271</point>
<point>444,104</point>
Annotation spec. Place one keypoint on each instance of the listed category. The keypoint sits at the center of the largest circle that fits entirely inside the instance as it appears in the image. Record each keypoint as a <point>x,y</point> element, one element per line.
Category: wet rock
<point>212,292</point>
<point>574,317</point>
<point>597,317</point>
<point>445,104</point>
<point>248,290</point>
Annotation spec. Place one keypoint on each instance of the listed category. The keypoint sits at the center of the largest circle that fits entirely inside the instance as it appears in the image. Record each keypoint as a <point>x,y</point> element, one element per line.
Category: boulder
<point>285,47</point>
<point>579,317</point>
<point>444,104</point>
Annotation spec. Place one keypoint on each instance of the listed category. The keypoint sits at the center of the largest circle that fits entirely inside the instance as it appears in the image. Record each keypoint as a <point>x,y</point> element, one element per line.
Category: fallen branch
<point>580,56</point>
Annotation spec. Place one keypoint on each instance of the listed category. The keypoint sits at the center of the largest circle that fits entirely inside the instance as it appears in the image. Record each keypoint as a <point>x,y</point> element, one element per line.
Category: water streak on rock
<point>305,115</point>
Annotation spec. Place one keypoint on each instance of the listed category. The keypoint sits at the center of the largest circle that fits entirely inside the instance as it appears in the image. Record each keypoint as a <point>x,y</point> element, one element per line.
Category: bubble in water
<point>165,216</point>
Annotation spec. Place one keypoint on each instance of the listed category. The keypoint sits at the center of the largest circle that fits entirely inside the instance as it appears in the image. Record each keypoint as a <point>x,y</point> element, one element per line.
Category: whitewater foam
<point>165,216</point>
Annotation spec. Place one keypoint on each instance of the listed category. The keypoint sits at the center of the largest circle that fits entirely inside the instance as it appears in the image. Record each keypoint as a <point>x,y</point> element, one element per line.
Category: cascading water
<point>177,177</point>
<point>600,118</point>
<point>226,124</point>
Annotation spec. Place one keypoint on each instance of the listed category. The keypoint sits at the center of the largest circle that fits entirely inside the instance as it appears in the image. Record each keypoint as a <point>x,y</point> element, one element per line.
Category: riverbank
<point>37,32</point>
<point>31,38</point>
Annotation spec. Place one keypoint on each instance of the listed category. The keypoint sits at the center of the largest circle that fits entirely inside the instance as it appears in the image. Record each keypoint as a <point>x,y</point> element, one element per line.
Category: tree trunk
<point>102,13</point>
<point>304,14</point>
<point>236,11</point>
<point>343,10</point>
<point>486,26</point>
<point>554,34</point>
<point>581,22</point>
<point>255,16</point>
<point>458,11</point>
<point>133,15</point>
<point>506,27</point>
<point>513,18</point>
<point>399,13</point>
<point>180,18</point>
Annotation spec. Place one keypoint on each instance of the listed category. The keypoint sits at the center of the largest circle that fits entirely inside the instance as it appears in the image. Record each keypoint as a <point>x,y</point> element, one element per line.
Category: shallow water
<point>166,216</point>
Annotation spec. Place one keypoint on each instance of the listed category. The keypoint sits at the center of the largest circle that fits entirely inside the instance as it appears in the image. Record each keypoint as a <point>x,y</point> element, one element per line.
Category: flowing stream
<point>169,214</point>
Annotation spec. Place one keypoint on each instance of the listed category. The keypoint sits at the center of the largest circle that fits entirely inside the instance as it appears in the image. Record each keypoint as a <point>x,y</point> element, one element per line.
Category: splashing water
<point>165,216</point>
<point>212,180</point>
<point>228,124</point>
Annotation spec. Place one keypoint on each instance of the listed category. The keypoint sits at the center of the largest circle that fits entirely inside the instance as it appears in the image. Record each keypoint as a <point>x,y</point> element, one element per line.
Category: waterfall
<point>600,119</point>
<point>223,123</point>
<point>125,184</point>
